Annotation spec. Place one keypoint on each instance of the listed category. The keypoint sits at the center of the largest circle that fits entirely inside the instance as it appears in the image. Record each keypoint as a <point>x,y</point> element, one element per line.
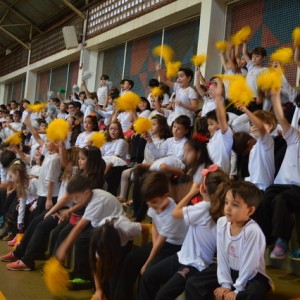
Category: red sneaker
<point>17,266</point>
<point>12,242</point>
<point>8,257</point>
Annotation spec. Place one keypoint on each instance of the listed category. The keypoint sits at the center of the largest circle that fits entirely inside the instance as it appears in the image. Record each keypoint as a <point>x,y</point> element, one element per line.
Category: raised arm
<point>34,132</point>
<point>87,92</point>
<point>220,109</point>
<point>200,80</point>
<point>245,52</point>
<point>255,120</point>
<point>163,77</point>
<point>275,96</point>
<point>232,65</point>
<point>297,56</point>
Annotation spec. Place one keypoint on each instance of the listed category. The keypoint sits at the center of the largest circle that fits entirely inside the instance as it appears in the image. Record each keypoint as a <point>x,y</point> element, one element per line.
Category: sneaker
<point>295,255</point>
<point>8,237</point>
<point>8,257</point>
<point>80,284</point>
<point>17,266</point>
<point>280,250</point>
<point>13,241</point>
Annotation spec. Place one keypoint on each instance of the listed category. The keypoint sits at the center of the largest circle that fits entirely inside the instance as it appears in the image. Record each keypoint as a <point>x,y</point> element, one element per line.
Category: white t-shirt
<point>296,117</point>
<point>16,126</point>
<point>127,230</point>
<point>124,119</point>
<point>148,155</point>
<point>145,114</point>
<point>252,75</point>
<point>116,147</point>
<point>102,94</point>
<point>197,177</point>
<point>83,138</point>
<point>200,243</point>
<point>219,148</point>
<point>261,164</point>
<point>185,96</point>
<point>243,252</point>
<point>209,104</point>
<point>166,99</point>
<point>49,171</point>
<point>174,230</point>
<point>289,172</point>
<point>116,161</point>
<point>102,205</point>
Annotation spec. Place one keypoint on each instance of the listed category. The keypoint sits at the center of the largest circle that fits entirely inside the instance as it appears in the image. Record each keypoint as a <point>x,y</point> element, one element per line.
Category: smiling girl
<point>90,125</point>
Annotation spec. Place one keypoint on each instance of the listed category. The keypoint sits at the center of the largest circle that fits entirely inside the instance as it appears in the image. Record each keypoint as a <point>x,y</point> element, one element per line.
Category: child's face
<point>213,126</point>
<point>190,154</point>
<point>126,86</point>
<point>158,203</point>
<point>62,107</point>
<point>37,156</point>
<point>70,122</point>
<point>14,176</point>
<point>179,131</point>
<point>236,209</point>
<point>88,125</point>
<point>258,59</point>
<point>113,131</point>
<point>211,88</point>
<point>43,127</point>
<point>155,127</point>
<point>110,100</point>
<point>182,79</point>
<point>16,118</point>
<point>143,106</point>
<point>71,109</point>
<point>154,102</point>
<point>82,161</point>
<point>8,120</point>
<point>243,62</point>
<point>50,146</point>
<point>102,82</point>
<point>81,97</point>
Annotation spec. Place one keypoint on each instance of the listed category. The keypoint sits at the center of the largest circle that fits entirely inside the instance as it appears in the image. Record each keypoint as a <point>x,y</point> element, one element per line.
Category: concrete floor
<point>29,285</point>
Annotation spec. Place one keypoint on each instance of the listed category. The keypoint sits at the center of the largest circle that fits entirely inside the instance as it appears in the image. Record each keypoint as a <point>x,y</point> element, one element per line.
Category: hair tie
<point>92,115</point>
<point>200,137</point>
<point>210,169</point>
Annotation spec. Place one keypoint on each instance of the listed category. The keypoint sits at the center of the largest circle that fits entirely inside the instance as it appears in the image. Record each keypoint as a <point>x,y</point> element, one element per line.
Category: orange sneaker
<point>17,266</point>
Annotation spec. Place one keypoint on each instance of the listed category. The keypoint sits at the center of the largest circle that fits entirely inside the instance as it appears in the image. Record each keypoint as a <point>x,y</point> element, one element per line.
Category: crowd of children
<point>240,168</point>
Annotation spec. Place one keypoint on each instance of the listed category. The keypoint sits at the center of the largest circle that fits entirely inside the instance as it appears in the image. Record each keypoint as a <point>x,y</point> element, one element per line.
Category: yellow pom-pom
<point>98,139</point>
<point>58,130</point>
<point>241,36</point>
<point>128,102</point>
<point>36,107</point>
<point>156,92</point>
<point>198,60</point>
<point>282,55</point>
<point>2,297</point>
<point>270,79</point>
<point>165,51</point>
<point>221,46</point>
<point>14,139</point>
<point>56,277</point>
<point>172,69</point>
<point>142,125</point>
<point>239,92</point>
<point>296,36</point>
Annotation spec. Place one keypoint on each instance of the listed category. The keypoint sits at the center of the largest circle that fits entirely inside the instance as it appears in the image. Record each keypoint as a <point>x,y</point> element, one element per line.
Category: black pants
<point>132,266</point>
<point>59,234</point>
<point>113,179</point>
<point>165,280</point>
<point>21,249</point>
<point>41,207</point>
<point>37,246</point>
<point>256,288</point>
<point>274,214</point>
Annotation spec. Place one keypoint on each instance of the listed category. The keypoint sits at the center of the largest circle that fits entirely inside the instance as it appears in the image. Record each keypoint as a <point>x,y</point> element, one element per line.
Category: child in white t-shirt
<point>261,164</point>
<point>186,102</point>
<point>169,278</point>
<point>103,90</point>
<point>90,125</point>
<point>220,144</point>
<point>169,157</point>
<point>241,247</point>
<point>167,234</point>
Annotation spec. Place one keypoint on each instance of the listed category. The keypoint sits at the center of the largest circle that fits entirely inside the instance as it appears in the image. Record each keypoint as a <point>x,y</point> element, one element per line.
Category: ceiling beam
<point>14,37</point>
<point>20,16</point>
<point>75,9</point>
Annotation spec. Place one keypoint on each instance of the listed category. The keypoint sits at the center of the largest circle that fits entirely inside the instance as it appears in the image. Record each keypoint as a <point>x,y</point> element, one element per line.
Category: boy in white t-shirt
<point>99,205</point>
<point>186,101</point>
<point>220,144</point>
<point>170,155</point>
<point>241,247</point>
<point>167,234</point>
